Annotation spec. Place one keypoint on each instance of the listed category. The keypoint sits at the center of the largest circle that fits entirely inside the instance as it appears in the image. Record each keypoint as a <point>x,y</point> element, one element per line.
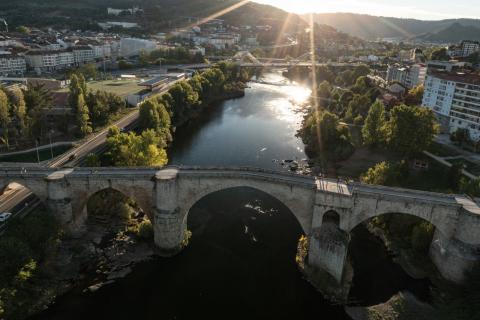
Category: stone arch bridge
<point>167,194</point>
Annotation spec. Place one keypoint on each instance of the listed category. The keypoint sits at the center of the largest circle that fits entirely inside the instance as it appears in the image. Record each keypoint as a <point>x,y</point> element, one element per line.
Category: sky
<point>417,9</point>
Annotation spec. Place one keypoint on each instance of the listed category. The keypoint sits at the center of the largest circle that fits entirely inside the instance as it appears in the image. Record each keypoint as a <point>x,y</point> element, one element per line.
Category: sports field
<point>120,87</point>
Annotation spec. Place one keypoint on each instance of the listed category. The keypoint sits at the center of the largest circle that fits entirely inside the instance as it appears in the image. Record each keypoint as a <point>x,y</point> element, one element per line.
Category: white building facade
<point>455,99</point>
<point>409,76</point>
<point>11,64</point>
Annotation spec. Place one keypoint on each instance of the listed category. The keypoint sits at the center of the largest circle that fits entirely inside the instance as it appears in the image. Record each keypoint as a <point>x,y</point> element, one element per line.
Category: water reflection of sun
<point>286,108</point>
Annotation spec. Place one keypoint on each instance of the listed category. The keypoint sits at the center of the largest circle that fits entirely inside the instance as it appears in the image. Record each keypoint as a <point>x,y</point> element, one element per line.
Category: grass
<point>32,156</point>
<point>442,150</point>
<point>471,167</point>
<point>123,88</point>
<point>362,159</point>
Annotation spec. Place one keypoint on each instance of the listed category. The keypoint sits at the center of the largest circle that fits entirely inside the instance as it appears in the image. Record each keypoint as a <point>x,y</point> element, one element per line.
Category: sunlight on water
<point>293,96</point>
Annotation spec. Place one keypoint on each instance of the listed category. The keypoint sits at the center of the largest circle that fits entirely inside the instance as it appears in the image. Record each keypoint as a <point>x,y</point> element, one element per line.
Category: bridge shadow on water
<point>240,264</point>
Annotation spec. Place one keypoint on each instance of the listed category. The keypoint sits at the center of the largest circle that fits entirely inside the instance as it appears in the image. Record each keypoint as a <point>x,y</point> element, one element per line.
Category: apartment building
<point>12,64</point>
<point>49,61</point>
<point>464,49</point>
<point>83,54</point>
<point>409,76</point>
<point>455,99</point>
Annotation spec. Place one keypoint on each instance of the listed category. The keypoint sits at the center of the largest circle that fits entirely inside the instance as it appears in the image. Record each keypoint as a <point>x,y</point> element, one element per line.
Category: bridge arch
<point>442,221</point>
<point>298,199</point>
<point>248,208</point>
<point>111,196</point>
<point>35,186</point>
<point>81,193</point>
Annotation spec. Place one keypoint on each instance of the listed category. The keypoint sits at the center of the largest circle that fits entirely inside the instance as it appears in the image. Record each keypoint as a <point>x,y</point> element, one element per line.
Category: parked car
<point>5,216</point>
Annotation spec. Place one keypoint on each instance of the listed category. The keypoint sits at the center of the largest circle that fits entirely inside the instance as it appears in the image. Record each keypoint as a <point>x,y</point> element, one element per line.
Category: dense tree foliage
<point>324,136</point>
<point>405,120</point>
<point>440,54</point>
<point>178,55</point>
<point>132,150</point>
<point>373,132</point>
<point>386,174</point>
<point>25,251</point>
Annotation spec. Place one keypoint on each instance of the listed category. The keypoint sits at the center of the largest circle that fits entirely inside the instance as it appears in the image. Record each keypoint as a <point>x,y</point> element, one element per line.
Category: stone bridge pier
<point>169,227</point>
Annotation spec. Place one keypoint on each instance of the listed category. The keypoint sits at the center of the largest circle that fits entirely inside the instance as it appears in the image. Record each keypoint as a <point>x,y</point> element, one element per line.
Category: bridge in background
<point>327,210</point>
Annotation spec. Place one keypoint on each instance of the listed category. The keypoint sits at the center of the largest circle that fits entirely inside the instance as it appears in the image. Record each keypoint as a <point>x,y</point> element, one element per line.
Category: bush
<point>145,230</point>
<point>422,235</point>
<point>358,120</point>
<point>125,212</point>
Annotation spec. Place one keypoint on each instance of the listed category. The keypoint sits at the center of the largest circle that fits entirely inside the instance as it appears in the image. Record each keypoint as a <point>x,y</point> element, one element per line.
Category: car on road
<point>72,156</point>
<point>5,216</point>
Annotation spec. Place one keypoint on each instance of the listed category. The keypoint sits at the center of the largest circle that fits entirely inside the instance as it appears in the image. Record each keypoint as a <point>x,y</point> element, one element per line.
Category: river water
<point>240,263</point>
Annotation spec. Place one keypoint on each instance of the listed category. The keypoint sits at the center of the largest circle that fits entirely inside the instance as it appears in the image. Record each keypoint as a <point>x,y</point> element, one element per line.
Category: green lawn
<point>120,87</point>
<point>471,167</point>
<point>32,156</point>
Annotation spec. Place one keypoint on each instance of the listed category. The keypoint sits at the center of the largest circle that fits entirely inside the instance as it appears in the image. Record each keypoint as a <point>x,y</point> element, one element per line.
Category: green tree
<point>374,128</point>
<point>153,115</point>
<point>4,117</point>
<point>18,110</point>
<point>98,108</point>
<point>386,174</point>
<point>406,120</point>
<point>89,71</point>
<point>93,161</point>
<point>37,100</point>
<point>82,117</point>
<point>414,96</point>
<point>440,54</point>
<point>130,149</point>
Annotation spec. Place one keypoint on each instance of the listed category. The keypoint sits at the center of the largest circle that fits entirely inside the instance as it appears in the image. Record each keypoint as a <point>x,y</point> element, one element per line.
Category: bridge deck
<point>320,184</point>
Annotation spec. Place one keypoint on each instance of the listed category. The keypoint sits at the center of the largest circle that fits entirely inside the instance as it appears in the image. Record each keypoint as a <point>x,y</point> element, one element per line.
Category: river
<point>240,263</point>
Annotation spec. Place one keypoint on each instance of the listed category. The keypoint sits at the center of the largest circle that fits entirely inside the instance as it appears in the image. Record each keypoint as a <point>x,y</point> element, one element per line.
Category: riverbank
<point>402,306</point>
<point>106,251</point>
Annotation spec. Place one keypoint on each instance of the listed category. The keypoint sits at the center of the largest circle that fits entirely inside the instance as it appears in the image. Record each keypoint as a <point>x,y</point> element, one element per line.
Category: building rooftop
<point>462,77</point>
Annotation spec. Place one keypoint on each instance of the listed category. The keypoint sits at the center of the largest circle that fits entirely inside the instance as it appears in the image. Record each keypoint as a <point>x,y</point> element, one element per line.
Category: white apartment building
<point>469,47</point>
<point>464,49</point>
<point>49,61</point>
<point>132,46</point>
<point>455,99</point>
<point>83,54</point>
<point>11,64</point>
<point>409,76</point>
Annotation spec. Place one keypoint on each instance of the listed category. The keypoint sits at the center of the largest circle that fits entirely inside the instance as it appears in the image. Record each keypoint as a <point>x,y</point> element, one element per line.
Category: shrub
<point>125,212</point>
<point>422,235</point>
<point>145,230</point>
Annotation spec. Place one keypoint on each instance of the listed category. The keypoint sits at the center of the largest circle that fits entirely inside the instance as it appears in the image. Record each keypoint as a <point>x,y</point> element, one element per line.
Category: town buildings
<point>12,64</point>
<point>464,49</point>
<point>410,76</point>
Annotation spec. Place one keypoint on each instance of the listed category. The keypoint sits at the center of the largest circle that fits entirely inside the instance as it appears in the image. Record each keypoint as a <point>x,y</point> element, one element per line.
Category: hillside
<point>159,14</point>
<point>451,34</point>
<point>372,27</point>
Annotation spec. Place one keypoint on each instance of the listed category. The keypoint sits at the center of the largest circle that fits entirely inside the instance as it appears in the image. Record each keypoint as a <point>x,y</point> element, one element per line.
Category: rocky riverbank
<point>402,306</point>
<point>105,252</point>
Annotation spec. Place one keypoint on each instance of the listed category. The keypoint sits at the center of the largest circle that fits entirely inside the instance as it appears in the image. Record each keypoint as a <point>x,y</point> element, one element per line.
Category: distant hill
<point>372,27</point>
<point>453,33</point>
<point>159,15</point>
